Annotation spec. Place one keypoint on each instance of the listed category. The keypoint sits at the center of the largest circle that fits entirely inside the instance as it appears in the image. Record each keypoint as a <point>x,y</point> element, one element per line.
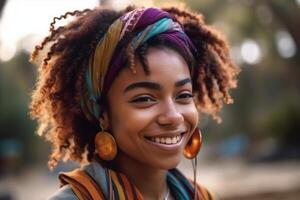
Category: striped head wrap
<point>109,56</point>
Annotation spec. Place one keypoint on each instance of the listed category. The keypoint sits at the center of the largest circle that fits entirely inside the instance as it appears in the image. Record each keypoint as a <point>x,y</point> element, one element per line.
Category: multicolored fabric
<point>105,183</point>
<point>110,57</point>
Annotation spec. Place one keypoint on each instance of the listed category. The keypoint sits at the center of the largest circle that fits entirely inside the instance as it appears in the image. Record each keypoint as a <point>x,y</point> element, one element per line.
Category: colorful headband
<point>108,60</point>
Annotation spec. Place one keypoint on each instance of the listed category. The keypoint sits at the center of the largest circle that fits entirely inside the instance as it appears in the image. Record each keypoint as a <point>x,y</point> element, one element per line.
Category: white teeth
<point>166,140</point>
<point>174,140</point>
<point>157,139</point>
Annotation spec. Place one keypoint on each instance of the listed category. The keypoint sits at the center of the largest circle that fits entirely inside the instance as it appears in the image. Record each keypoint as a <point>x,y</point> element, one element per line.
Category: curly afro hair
<point>64,57</point>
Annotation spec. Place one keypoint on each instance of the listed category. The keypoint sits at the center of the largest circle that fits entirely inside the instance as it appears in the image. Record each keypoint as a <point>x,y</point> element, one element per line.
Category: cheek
<point>119,118</point>
<point>191,115</point>
<point>127,122</point>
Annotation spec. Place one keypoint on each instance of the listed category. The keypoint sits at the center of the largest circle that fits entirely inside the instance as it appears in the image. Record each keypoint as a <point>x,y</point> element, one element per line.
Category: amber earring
<point>193,146</point>
<point>105,145</point>
<point>191,150</point>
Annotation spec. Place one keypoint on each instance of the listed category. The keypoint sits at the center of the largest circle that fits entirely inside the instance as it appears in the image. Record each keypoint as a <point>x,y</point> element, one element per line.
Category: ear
<point>104,120</point>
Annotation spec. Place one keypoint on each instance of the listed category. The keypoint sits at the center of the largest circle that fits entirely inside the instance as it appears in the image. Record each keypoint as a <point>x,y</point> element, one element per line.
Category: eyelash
<point>185,95</point>
<point>142,99</point>
<point>147,99</point>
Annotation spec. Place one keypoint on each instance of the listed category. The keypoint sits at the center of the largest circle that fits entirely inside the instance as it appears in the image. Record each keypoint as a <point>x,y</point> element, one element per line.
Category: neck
<point>151,182</point>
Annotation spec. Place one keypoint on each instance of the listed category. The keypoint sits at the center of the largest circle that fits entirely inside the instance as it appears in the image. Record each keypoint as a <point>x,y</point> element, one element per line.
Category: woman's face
<point>152,116</point>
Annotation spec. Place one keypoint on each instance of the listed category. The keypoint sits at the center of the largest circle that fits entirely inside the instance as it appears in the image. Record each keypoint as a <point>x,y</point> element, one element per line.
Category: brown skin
<point>63,57</point>
<point>140,112</point>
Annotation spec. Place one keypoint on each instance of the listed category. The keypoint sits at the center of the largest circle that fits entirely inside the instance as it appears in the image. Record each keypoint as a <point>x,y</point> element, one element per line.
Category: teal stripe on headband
<point>158,27</point>
<point>95,108</point>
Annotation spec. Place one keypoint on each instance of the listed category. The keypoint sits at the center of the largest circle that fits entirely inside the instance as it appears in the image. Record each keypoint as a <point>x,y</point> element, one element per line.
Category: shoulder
<point>90,178</point>
<point>64,193</point>
<point>205,193</point>
<point>176,179</point>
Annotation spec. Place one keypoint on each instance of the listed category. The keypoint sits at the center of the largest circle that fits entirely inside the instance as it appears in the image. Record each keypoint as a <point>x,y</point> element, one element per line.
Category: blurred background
<point>253,154</point>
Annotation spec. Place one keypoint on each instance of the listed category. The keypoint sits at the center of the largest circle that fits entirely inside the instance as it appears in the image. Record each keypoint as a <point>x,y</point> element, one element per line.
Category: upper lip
<point>167,134</point>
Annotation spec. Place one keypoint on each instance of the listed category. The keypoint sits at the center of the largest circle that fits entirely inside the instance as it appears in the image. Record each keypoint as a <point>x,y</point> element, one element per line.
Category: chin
<point>167,164</point>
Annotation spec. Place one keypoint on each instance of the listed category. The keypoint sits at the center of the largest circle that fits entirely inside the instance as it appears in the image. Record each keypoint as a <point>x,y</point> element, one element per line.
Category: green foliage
<point>263,106</point>
<point>16,82</point>
<point>283,123</point>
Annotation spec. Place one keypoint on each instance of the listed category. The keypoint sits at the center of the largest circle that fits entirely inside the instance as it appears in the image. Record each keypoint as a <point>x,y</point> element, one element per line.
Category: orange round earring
<point>191,150</point>
<point>193,146</point>
<point>105,146</point>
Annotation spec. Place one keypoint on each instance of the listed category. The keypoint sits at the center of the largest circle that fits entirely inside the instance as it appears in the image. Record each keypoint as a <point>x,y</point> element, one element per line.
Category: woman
<point>121,91</point>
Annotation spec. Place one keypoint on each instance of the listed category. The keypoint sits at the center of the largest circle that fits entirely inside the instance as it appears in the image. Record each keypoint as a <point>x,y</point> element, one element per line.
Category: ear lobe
<point>104,121</point>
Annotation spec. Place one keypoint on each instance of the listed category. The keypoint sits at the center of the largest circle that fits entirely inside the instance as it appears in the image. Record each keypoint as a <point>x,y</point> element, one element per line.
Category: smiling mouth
<point>166,140</point>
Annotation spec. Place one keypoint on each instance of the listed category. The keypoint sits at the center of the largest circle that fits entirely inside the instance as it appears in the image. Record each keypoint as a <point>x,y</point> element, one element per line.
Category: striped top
<point>96,182</point>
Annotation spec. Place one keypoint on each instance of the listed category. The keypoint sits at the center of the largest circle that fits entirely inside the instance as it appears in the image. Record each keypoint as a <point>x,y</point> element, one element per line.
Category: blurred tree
<point>265,85</point>
<point>288,13</point>
<point>176,3</point>
<point>2,4</point>
<point>104,2</point>
<point>16,82</point>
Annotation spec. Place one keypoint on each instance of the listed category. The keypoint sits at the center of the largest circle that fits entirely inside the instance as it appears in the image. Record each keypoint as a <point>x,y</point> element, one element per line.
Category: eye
<point>184,97</point>
<point>142,99</point>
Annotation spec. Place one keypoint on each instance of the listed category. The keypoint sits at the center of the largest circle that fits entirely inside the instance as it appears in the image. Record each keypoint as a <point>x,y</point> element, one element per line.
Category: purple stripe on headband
<point>150,16</point>
<point>117,62</point>
<point>179,39</point>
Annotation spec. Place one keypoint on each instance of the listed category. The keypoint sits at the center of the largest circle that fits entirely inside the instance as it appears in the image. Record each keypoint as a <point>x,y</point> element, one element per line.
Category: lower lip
<point>168,147</point>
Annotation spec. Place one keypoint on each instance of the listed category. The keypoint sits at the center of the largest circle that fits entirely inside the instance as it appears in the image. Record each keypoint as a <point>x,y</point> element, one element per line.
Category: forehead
<point>165,65</point>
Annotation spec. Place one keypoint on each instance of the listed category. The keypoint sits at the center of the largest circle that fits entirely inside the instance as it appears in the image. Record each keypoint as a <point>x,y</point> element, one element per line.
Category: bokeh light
<point>251,52</point>
<point>285,44</point>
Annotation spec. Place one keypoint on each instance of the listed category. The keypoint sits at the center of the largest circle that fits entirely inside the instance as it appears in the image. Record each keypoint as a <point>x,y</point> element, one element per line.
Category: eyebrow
<point>148,85</point>
<point>183,82</point>
<point>154,86</point>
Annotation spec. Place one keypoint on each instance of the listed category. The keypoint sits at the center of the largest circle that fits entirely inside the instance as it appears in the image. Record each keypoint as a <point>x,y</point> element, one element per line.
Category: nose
<point>170,115</point>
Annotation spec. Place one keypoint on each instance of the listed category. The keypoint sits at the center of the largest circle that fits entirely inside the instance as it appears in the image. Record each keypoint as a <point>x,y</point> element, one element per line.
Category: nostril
<point>169,114</point>
<point>168,119</point>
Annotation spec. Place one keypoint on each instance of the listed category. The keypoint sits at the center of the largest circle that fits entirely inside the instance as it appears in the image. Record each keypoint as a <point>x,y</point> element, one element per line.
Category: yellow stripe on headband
<point>103,54</point>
